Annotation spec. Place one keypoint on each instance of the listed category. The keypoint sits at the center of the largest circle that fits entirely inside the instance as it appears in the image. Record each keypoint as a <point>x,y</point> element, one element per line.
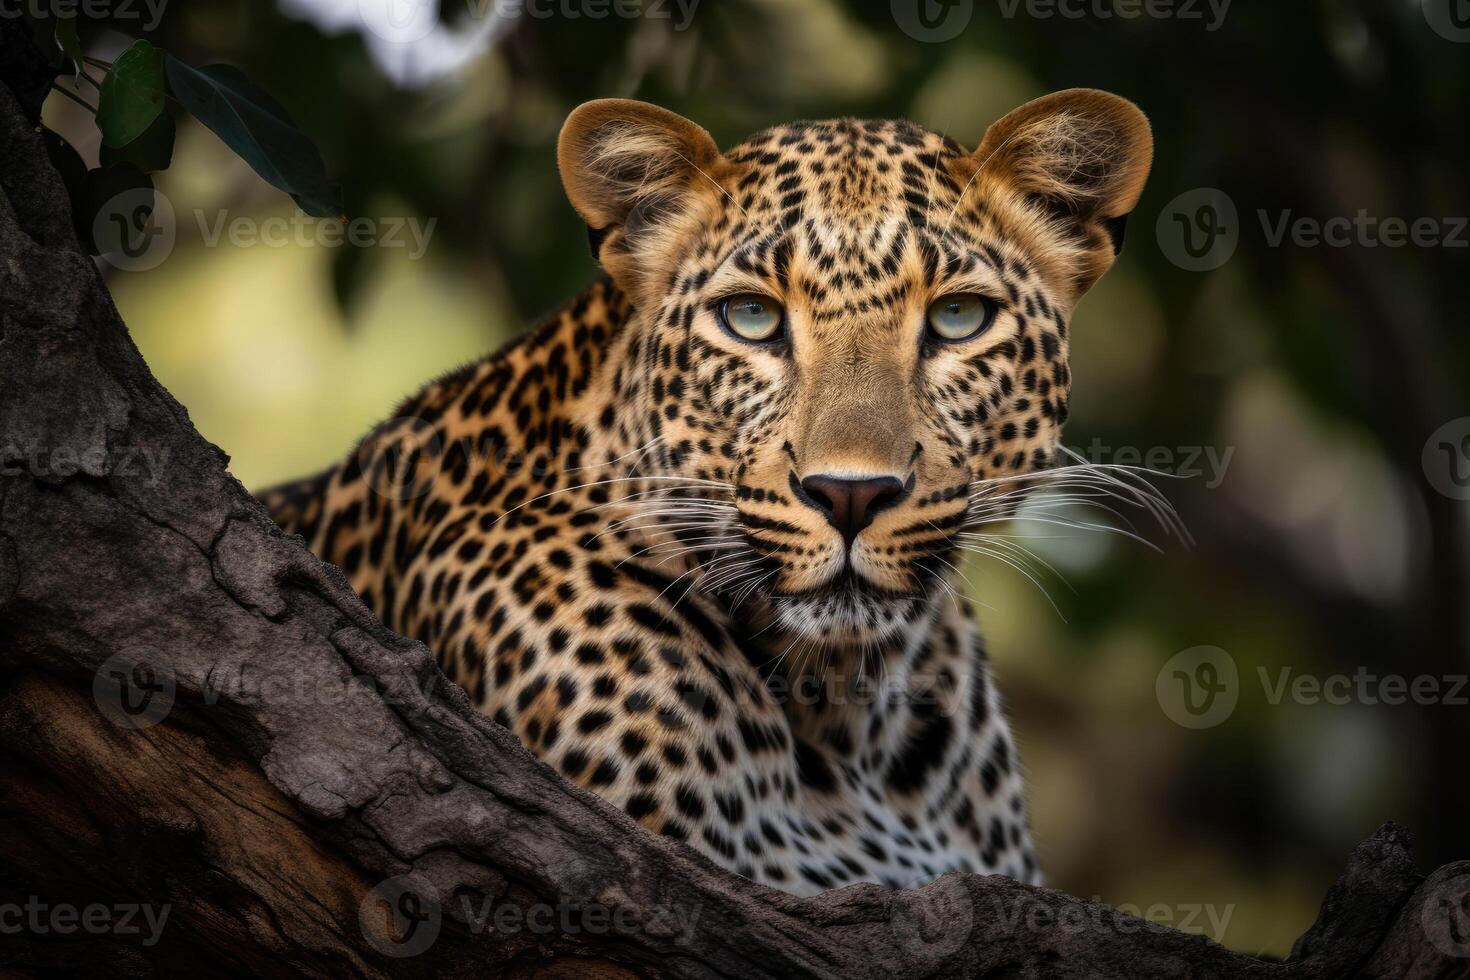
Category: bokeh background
<point>1310,398</point>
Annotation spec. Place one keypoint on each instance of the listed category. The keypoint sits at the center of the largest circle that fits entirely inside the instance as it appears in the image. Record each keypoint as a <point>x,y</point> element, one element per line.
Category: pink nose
<point>851,505</point>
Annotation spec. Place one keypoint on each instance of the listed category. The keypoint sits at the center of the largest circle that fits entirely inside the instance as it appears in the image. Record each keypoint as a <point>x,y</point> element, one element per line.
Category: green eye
<point>960,316</point>
<point>751,317</point>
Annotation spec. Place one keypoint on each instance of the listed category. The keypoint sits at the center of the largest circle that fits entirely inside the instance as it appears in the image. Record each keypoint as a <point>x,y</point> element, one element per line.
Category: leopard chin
<point>847,613</point>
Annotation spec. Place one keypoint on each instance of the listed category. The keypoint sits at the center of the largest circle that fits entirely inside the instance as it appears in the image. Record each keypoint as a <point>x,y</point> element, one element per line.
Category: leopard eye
<point>960,316</point>
<point>751,317</point>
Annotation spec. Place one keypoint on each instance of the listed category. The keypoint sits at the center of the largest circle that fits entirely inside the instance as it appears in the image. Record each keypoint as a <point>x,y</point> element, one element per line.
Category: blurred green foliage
<point>1314,375</point>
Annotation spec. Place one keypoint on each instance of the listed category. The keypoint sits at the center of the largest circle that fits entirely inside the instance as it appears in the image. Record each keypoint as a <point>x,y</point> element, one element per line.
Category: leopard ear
<point>628,166</point>
<point>1084,155</point>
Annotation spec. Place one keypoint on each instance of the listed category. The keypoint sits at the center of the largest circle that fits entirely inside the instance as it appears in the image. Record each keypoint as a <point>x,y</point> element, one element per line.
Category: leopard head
<point>847,334</point>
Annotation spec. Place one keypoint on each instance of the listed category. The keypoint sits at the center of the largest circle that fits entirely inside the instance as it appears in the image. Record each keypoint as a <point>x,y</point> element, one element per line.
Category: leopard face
<point>849,335</point>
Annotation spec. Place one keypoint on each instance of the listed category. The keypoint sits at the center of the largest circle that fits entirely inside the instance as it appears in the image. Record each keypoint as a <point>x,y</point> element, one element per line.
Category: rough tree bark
<point>308,755</point>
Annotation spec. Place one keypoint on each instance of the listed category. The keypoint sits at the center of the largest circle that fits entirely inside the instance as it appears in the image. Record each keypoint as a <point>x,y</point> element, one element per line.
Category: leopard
<point>694,537</point>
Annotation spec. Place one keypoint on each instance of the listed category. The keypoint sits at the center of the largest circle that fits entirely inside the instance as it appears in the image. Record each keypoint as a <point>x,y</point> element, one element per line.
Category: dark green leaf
<point>150,152</point>
<point>132,95</point>
<point>113,192</point>
<point>253,125</point>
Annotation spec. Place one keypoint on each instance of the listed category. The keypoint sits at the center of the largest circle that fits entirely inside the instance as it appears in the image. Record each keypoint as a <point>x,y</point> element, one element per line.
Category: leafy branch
<point>138,131</point>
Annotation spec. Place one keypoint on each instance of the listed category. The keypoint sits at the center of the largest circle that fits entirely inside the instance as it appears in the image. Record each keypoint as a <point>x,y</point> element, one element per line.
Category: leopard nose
<point>851,505</point>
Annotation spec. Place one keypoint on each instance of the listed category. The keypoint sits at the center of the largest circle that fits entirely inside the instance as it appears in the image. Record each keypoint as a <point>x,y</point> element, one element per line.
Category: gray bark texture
<point>317,799</point>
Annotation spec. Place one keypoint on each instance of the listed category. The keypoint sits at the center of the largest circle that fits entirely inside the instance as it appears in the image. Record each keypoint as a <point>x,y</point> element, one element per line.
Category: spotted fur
<point>601,529</point>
